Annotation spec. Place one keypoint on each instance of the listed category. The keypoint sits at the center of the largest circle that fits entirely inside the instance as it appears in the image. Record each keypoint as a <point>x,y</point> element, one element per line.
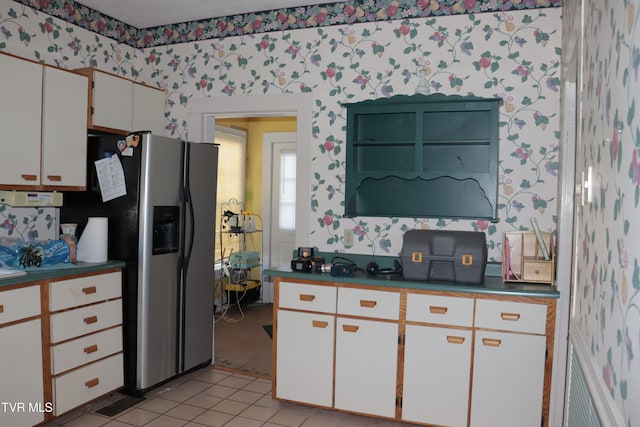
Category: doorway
<point>201,112</point>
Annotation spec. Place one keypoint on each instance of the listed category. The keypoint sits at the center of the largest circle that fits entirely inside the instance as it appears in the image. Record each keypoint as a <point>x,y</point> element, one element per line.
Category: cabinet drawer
<point>369,303</point>
<point>301,296</point>
<point>85,384</point>
<point>85,350</point>
<point>511,316</point>
<point>19,304</point>
<point>537,271</point>
<point>85,320</point>
<point>84,290</point>
<point>440,309</point>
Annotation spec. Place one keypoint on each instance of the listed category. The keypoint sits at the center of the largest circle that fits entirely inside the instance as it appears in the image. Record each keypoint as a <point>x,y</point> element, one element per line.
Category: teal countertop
<point>60,270</point>
<point>492,285</point>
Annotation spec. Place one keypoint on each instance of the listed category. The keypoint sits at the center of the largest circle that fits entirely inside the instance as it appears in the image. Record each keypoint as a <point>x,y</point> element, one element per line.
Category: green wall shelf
<point>429,156</point>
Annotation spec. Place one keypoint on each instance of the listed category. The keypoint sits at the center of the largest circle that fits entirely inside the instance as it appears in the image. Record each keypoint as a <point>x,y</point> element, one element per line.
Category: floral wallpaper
<point>28,223</point>
<point>607,293</point>
<point>350,12</point>
<point>512,54</point>
<point>510,49</point>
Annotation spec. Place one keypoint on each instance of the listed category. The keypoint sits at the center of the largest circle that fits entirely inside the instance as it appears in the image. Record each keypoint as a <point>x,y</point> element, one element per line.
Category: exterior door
<point>279,202</point>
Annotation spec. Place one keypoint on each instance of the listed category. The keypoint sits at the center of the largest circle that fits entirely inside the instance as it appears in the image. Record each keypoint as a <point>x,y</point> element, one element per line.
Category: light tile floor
<point>213,397</point>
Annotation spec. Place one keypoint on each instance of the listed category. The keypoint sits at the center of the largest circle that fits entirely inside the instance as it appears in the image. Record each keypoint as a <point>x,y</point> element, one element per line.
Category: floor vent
<point>581,410</point>
<point>119,406</point>
<point>589,402</point>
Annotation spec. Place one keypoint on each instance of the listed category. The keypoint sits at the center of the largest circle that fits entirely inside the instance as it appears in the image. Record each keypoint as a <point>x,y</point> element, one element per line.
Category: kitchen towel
<point>93,244</point>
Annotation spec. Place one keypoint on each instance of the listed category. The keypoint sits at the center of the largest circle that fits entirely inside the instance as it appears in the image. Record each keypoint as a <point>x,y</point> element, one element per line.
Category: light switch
<point>587,193</point>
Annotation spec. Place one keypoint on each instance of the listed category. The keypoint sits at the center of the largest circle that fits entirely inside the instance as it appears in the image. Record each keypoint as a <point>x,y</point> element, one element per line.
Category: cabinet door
<point>21,389</point>
<point>508,378</point>
<point>437,371</point>
<point>148,109</point>
<point>366,366</point>
<point>20,121</point>
<point>112,102</point>
<point>304,365</point>
<point>64,128</point>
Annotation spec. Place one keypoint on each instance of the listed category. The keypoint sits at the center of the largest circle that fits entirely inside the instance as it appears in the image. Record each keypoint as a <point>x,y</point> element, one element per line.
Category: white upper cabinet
<point>112,107</point>
<point>20,121</point>
<point>44,127</point>
<point>119,105</point>
<point>64,128</point>
<point>148,109</point>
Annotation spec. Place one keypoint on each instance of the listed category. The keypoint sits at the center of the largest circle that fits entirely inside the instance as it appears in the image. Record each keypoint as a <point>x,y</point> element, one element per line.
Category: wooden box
<point>523,258</point>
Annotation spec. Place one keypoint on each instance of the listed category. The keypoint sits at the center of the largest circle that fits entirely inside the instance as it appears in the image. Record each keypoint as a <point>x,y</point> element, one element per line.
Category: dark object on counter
<point>452,256</point>
<point>305,252</point>
<point>30,256</point>
<point>304,262</point>
<point>341,269</point>
<point>301,264</point>
<point>374,269</point>
<point>317,262</point>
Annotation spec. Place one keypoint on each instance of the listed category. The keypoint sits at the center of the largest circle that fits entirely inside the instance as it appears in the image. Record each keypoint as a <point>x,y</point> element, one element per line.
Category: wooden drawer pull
<point>56,178</point>
<point>455,340</point>
<point>437,310</point>
<point>89,290</point>
<point>305,297</point>
<point>368,304</point>
<point>29,177</point>
<point>512,317</point>
<point>91,349</point>
<point>491,342</point>
<point>350,328</point>
<point>320,324</point>
<point>92,383</point>
<point>91,319</point>
<point>1,308</point>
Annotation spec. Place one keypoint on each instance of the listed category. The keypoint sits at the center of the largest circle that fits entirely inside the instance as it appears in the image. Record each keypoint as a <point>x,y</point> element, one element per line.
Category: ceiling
<point>154,13</point>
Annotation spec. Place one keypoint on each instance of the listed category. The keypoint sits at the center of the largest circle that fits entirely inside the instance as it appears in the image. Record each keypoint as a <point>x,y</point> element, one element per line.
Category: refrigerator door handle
<point>188,204</point>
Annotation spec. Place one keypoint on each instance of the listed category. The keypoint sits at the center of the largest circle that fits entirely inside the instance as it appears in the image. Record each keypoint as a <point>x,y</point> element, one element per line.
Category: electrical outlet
<point>348,238</point>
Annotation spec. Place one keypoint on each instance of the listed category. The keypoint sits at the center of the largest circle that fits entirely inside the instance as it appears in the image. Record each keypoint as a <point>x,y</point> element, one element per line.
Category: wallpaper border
<point>342,13</point>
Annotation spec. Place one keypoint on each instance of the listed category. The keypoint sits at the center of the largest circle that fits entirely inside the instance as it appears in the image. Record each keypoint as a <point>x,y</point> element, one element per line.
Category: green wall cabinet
<point>426,156</point>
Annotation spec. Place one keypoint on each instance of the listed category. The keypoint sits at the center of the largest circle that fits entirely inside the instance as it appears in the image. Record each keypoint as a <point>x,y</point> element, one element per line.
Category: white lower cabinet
<point>508,378</point>
<point>21,377</point>
<point>305,357</point>
<point>366,366</point>
<point>437,371</point>
<point>433,358</point>
<point>21,381</point>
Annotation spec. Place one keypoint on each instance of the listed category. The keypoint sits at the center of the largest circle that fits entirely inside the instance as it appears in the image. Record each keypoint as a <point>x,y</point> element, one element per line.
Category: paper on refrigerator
<point>110,178</point>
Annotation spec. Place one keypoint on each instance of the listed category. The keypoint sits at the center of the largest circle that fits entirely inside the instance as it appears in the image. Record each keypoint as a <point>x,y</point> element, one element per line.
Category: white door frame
<point>298,105</point>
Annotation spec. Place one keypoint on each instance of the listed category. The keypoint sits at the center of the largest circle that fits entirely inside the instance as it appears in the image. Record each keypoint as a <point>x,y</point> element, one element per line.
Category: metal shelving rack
<point>242,259</point>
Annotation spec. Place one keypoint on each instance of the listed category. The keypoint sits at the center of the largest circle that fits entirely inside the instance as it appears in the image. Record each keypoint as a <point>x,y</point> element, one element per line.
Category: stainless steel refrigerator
<point>164,229</point>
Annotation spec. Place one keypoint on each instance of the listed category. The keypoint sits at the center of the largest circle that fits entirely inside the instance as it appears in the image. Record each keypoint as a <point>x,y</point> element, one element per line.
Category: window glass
<point>287,190</point>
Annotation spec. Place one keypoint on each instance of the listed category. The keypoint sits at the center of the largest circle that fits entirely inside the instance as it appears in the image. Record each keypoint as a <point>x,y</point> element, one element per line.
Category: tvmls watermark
<point>25,407</point>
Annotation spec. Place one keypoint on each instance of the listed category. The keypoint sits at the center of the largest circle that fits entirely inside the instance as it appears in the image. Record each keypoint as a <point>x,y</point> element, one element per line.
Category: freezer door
<point>159,258</point>
<point>199,236</point>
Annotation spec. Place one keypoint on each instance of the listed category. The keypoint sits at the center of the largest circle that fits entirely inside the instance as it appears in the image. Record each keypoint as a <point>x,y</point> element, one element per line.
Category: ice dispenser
<point>166,220</point>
